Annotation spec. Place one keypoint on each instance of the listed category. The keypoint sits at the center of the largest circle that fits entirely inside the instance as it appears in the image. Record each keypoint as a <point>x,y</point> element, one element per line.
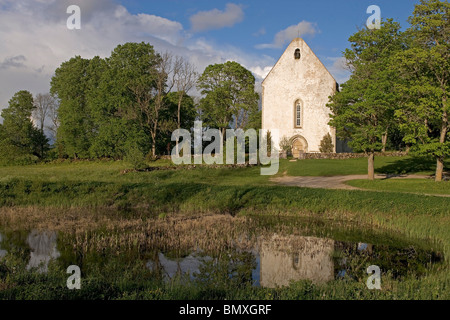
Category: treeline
<point>126,106</point>
<point>399,87</point>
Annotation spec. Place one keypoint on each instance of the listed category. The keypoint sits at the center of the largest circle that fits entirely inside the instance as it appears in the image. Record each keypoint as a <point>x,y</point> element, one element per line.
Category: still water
<point>269,258</point>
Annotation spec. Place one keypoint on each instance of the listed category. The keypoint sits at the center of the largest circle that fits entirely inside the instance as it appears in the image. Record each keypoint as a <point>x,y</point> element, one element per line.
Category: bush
<point>326,145</point>
<point>285,145</point>
<point>136,158</point>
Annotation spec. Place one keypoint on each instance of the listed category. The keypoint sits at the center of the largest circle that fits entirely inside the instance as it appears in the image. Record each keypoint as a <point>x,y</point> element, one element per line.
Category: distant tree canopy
<point>229,96</point>
<point>124,106</point>
<point>20,141</point>
<point>111,106</point>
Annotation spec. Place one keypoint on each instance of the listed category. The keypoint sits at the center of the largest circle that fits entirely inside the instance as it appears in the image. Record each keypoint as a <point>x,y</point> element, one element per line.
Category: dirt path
<point>337,182</point>
<point>334,182</point>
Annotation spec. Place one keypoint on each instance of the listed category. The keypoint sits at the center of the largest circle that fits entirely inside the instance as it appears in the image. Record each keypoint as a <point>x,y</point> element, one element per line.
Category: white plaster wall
<point>292,258</point>
<point>306,79</point>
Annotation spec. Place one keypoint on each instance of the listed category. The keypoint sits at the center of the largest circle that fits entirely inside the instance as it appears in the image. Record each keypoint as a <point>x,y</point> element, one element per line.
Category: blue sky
<point>333,21</point>
<point>34,39</point>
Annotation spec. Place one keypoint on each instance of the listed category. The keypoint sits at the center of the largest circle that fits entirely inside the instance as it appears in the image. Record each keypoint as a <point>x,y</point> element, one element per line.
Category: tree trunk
<point>371,170</point>
<point>384,140</point>
<point>439,169</point>
<point>153,134</point>
<point>444,129</point>
<point>154,149</point>
<point>180,99</point>
<point>222,141</point>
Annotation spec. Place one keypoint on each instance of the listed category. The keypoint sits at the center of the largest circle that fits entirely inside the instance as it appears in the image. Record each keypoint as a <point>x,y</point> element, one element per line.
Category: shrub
<point>285,145</point>
<point>326,145</point>
<point>135,157</point>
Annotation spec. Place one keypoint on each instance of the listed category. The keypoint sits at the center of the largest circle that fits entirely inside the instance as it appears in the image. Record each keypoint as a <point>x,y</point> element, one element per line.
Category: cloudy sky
<point>35,40</point>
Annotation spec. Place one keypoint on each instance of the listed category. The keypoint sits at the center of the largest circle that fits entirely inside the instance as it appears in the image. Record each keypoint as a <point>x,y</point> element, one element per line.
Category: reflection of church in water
<point>292,258</point>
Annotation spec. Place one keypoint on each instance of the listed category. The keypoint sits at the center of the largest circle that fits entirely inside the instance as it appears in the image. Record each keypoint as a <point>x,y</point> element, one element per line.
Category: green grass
<point>239,192</point>
<point>406,185</point>
<point>383,165</point>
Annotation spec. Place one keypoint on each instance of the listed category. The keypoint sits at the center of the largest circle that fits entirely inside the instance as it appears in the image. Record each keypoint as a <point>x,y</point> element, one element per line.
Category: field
<point>91,197</point>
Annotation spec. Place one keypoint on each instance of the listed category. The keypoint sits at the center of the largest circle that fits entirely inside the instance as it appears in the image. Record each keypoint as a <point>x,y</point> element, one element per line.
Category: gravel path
<point>334,182</point>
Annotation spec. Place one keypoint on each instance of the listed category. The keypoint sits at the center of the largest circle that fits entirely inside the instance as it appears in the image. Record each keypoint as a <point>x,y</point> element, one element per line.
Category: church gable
<point>298,60</point>
<point>294,98</point>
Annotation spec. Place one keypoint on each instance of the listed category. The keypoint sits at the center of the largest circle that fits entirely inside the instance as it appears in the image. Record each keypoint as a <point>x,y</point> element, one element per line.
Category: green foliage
<point>363,110</point>
<point>108,104</point>
<point>20,141</point>
<point>424,70</point>
<point>70,83</point>
<point>285,144</point>
<point>230,95</point>
<point>135,157</point>
<point>169,119</point>
<point>326,144</point>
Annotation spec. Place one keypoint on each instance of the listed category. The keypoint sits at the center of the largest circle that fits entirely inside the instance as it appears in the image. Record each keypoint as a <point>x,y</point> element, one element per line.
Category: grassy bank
<point>383,165</point>
<point>67,194</point>
<point>408,185</point>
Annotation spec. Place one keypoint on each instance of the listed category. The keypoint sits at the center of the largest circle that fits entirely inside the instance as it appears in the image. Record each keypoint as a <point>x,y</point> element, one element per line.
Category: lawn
<point>85,186</point>
<point>407,185</point>
<point>383,165</point>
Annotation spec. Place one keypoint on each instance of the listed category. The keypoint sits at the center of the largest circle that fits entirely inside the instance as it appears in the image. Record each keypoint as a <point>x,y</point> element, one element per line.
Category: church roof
<point>293,43</point>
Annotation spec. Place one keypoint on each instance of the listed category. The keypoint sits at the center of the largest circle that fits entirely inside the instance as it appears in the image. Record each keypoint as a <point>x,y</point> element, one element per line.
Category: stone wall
<point>342,156</point>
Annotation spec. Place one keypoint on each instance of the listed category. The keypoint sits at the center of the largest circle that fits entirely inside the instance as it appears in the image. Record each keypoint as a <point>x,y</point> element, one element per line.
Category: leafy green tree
<point>364,110</point>
<point>76,129</point>
<point>20,139</point>
<point>230,96</point>
<point>109,107</point>
<point>425,73</point>
<point>170,116</point>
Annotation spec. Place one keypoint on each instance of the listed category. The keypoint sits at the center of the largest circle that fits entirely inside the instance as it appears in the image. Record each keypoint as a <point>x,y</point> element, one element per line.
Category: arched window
<point>297,54</point>
<point>298,114</point>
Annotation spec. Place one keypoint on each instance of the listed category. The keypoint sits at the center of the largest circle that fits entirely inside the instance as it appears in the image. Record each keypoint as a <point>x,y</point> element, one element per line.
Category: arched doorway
<point>299,146</point>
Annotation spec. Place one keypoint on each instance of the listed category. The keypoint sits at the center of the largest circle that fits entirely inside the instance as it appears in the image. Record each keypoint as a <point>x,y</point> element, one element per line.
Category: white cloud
<point>338,68</point>
<point>290,33</point>
<point>217,19</point>
<point>260,32</point>
<point>261,72</point>
<point>35,41</point>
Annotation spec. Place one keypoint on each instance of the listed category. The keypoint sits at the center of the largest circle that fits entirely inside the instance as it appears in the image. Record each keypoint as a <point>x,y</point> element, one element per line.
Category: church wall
<point>306,80</point>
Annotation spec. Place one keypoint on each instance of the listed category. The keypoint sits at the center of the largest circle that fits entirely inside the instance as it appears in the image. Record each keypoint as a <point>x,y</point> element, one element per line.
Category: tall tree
<point>70,84</point>
<point>364,109</point>
<point>44,104</point>
<point>19,136</point>
<point>425,73</point>
<point>167,72</point>
<point>171,114</point>
<point>186,79</point>
<point>229,91</point>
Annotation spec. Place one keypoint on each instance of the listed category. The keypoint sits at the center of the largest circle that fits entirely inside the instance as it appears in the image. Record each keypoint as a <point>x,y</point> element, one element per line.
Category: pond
<point>260,251</point>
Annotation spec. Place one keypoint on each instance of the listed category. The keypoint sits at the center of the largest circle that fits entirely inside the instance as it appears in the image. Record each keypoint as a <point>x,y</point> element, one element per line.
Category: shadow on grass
<point>409,165</point>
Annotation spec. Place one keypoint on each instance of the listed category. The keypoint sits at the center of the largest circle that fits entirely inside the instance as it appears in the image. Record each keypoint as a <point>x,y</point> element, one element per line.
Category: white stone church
<point>294,98</point>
